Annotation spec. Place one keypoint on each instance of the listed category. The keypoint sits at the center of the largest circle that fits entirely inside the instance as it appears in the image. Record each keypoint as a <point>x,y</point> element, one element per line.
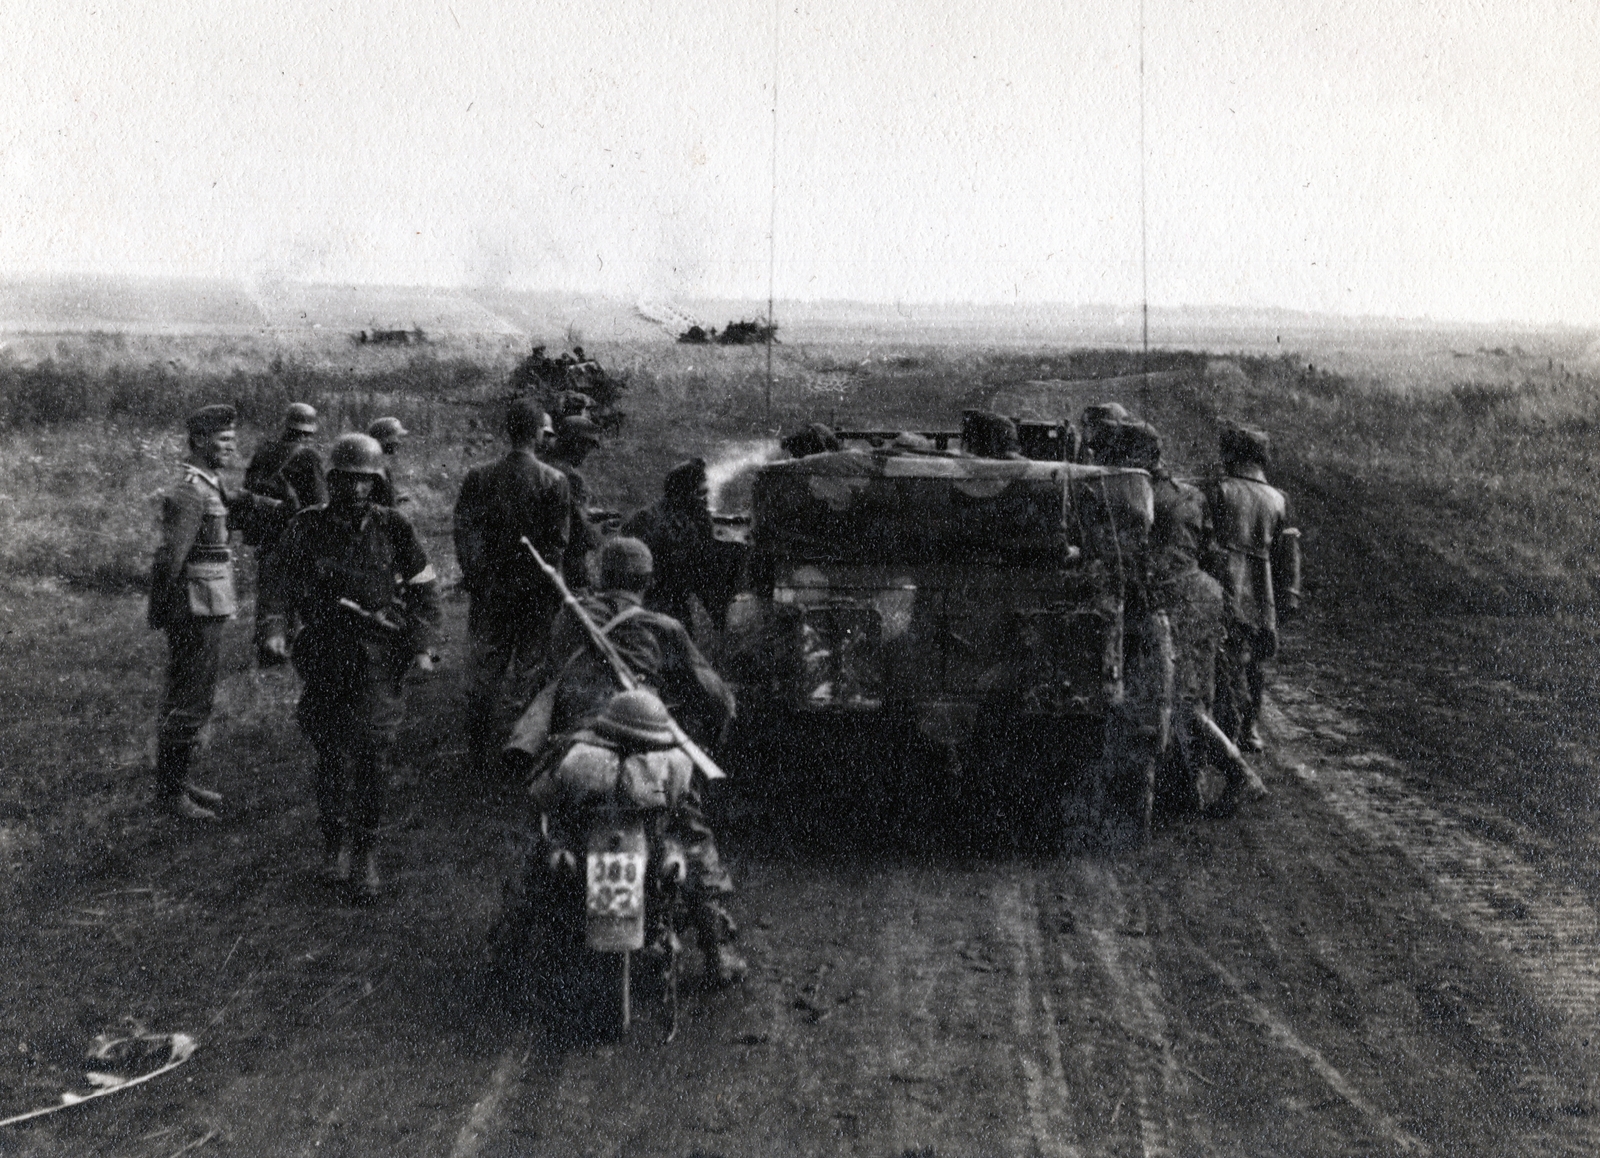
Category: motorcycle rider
<point>628,753</point>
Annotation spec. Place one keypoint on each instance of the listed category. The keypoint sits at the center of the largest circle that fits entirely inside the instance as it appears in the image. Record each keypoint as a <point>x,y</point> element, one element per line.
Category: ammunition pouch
<point>208,583</point>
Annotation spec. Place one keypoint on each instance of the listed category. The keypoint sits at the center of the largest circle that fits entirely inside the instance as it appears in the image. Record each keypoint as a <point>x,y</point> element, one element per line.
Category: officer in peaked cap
<point>191,597</point>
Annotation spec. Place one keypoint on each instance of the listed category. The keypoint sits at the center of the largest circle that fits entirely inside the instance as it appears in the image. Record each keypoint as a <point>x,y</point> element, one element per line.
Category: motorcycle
<point>620,909</point>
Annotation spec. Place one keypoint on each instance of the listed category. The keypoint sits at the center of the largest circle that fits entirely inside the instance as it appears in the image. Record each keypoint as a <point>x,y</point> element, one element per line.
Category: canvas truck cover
<point>874,507</point>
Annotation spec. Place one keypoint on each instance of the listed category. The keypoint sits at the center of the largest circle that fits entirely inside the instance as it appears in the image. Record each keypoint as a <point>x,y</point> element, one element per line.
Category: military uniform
<point>1193,602</point>
<point>512,600</point>
<point>583,537</point>
<point>290,471</point>
<point>689,559</point>
<point>657,650</point>
<point>1256,560</point>
<point>353,664</point>
<point>191,596</point>
<point>602,762</point>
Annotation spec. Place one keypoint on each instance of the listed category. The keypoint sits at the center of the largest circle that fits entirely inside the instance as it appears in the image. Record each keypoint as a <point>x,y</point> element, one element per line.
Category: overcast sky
<point>1381,157</point>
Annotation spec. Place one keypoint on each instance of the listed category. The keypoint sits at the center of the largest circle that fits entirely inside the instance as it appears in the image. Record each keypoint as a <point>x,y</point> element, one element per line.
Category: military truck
<point>988,606</point>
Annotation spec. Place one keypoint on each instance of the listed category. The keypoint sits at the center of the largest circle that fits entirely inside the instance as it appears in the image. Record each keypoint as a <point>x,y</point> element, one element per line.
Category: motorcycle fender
<point>618,856</point>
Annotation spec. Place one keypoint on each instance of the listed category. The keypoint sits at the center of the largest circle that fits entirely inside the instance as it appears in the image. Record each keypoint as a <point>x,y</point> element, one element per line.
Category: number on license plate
<point>616,883</point>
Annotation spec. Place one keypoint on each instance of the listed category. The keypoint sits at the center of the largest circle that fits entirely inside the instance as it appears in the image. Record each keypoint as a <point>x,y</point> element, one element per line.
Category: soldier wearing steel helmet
<point>357,576</point>
<point>389,432</point>
<point>290,470</point>
<point>630,733</point>
<point>1100,420</point>
<point>1256,558</point>
<point>192,596</point>
<point>575,438</point>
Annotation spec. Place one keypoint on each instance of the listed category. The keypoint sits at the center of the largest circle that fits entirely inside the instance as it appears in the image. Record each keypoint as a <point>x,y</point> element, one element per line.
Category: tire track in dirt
<point>966,1052</point>
<point>1051,1117</point>
<point>1545,934</point>
<point>1549,933</point>
<point>1127,962</point>
<point>1282,1035</point>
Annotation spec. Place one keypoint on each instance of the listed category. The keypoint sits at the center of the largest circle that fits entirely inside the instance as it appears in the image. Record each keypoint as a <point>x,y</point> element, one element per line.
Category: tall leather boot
<point>366,885</point>
<point>715,930</point>
<point>172,771</point>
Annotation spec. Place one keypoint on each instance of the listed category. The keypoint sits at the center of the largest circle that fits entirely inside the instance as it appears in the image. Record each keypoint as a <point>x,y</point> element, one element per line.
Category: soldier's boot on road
<point>205,797</point>
<point>172,772</point>
<point>366,885</point>
<point>335,854</point>
<point>715,929</point>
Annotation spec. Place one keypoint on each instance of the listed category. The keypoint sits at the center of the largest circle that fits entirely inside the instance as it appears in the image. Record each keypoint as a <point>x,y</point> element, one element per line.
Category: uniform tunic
<point>658,651</point>
<point>689,560</point>
<point>512,600</point>
<point>290,471</point>
<point>353,668</point>
<point>191,597</point>
<point>1251,530</point>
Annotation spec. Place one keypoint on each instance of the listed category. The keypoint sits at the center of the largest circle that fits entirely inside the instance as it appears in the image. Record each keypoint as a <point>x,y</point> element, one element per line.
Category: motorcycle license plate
<point>616,884</point>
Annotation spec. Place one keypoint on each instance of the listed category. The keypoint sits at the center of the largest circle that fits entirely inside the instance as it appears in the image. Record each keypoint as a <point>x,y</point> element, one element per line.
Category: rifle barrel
<point>625,677</point>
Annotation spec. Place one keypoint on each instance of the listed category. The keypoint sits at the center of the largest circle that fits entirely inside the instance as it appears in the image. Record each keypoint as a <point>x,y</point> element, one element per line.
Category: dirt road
<point>1350,967</point>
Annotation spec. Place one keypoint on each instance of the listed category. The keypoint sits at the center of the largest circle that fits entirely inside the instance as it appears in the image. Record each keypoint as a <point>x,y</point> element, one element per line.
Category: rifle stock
<point>702,759</point>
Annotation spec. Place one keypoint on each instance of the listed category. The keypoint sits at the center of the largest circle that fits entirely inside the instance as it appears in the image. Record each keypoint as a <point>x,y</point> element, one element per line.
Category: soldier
<point>1256,558</point>
<point>582,694</point>
<point>1192,601</point>
<point>575,438</point>
<point>1098,421</point>
<point>289,470</point>
<point>814,439</point>
<point>388,432</point>
<point>689,561</point>
<point>985,434</point>
<point>512,602</point>
<point>358,578</point>
<point>191,597</point>
<point>656,647</point>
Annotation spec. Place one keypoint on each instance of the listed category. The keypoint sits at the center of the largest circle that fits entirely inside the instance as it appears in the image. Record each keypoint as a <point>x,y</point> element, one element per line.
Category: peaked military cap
<point>209,420</point>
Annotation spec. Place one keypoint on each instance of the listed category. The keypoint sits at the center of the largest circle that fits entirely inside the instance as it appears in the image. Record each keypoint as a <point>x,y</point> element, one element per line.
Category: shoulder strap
<point>616,620</point>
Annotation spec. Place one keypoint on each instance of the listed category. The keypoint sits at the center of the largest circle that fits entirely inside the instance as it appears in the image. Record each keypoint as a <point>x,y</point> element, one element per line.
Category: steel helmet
<point>301,416</point>
<point>635,718</point>
<point>356,454</point>
<point>624,559</point>
<point>387,430</point>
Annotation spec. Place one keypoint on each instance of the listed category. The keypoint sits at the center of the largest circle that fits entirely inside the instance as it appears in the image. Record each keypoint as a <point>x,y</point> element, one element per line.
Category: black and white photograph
<point>800,578</point>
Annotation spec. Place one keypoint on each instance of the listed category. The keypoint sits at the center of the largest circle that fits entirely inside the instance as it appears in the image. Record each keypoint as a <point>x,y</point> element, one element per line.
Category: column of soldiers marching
<point>347,595</point>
